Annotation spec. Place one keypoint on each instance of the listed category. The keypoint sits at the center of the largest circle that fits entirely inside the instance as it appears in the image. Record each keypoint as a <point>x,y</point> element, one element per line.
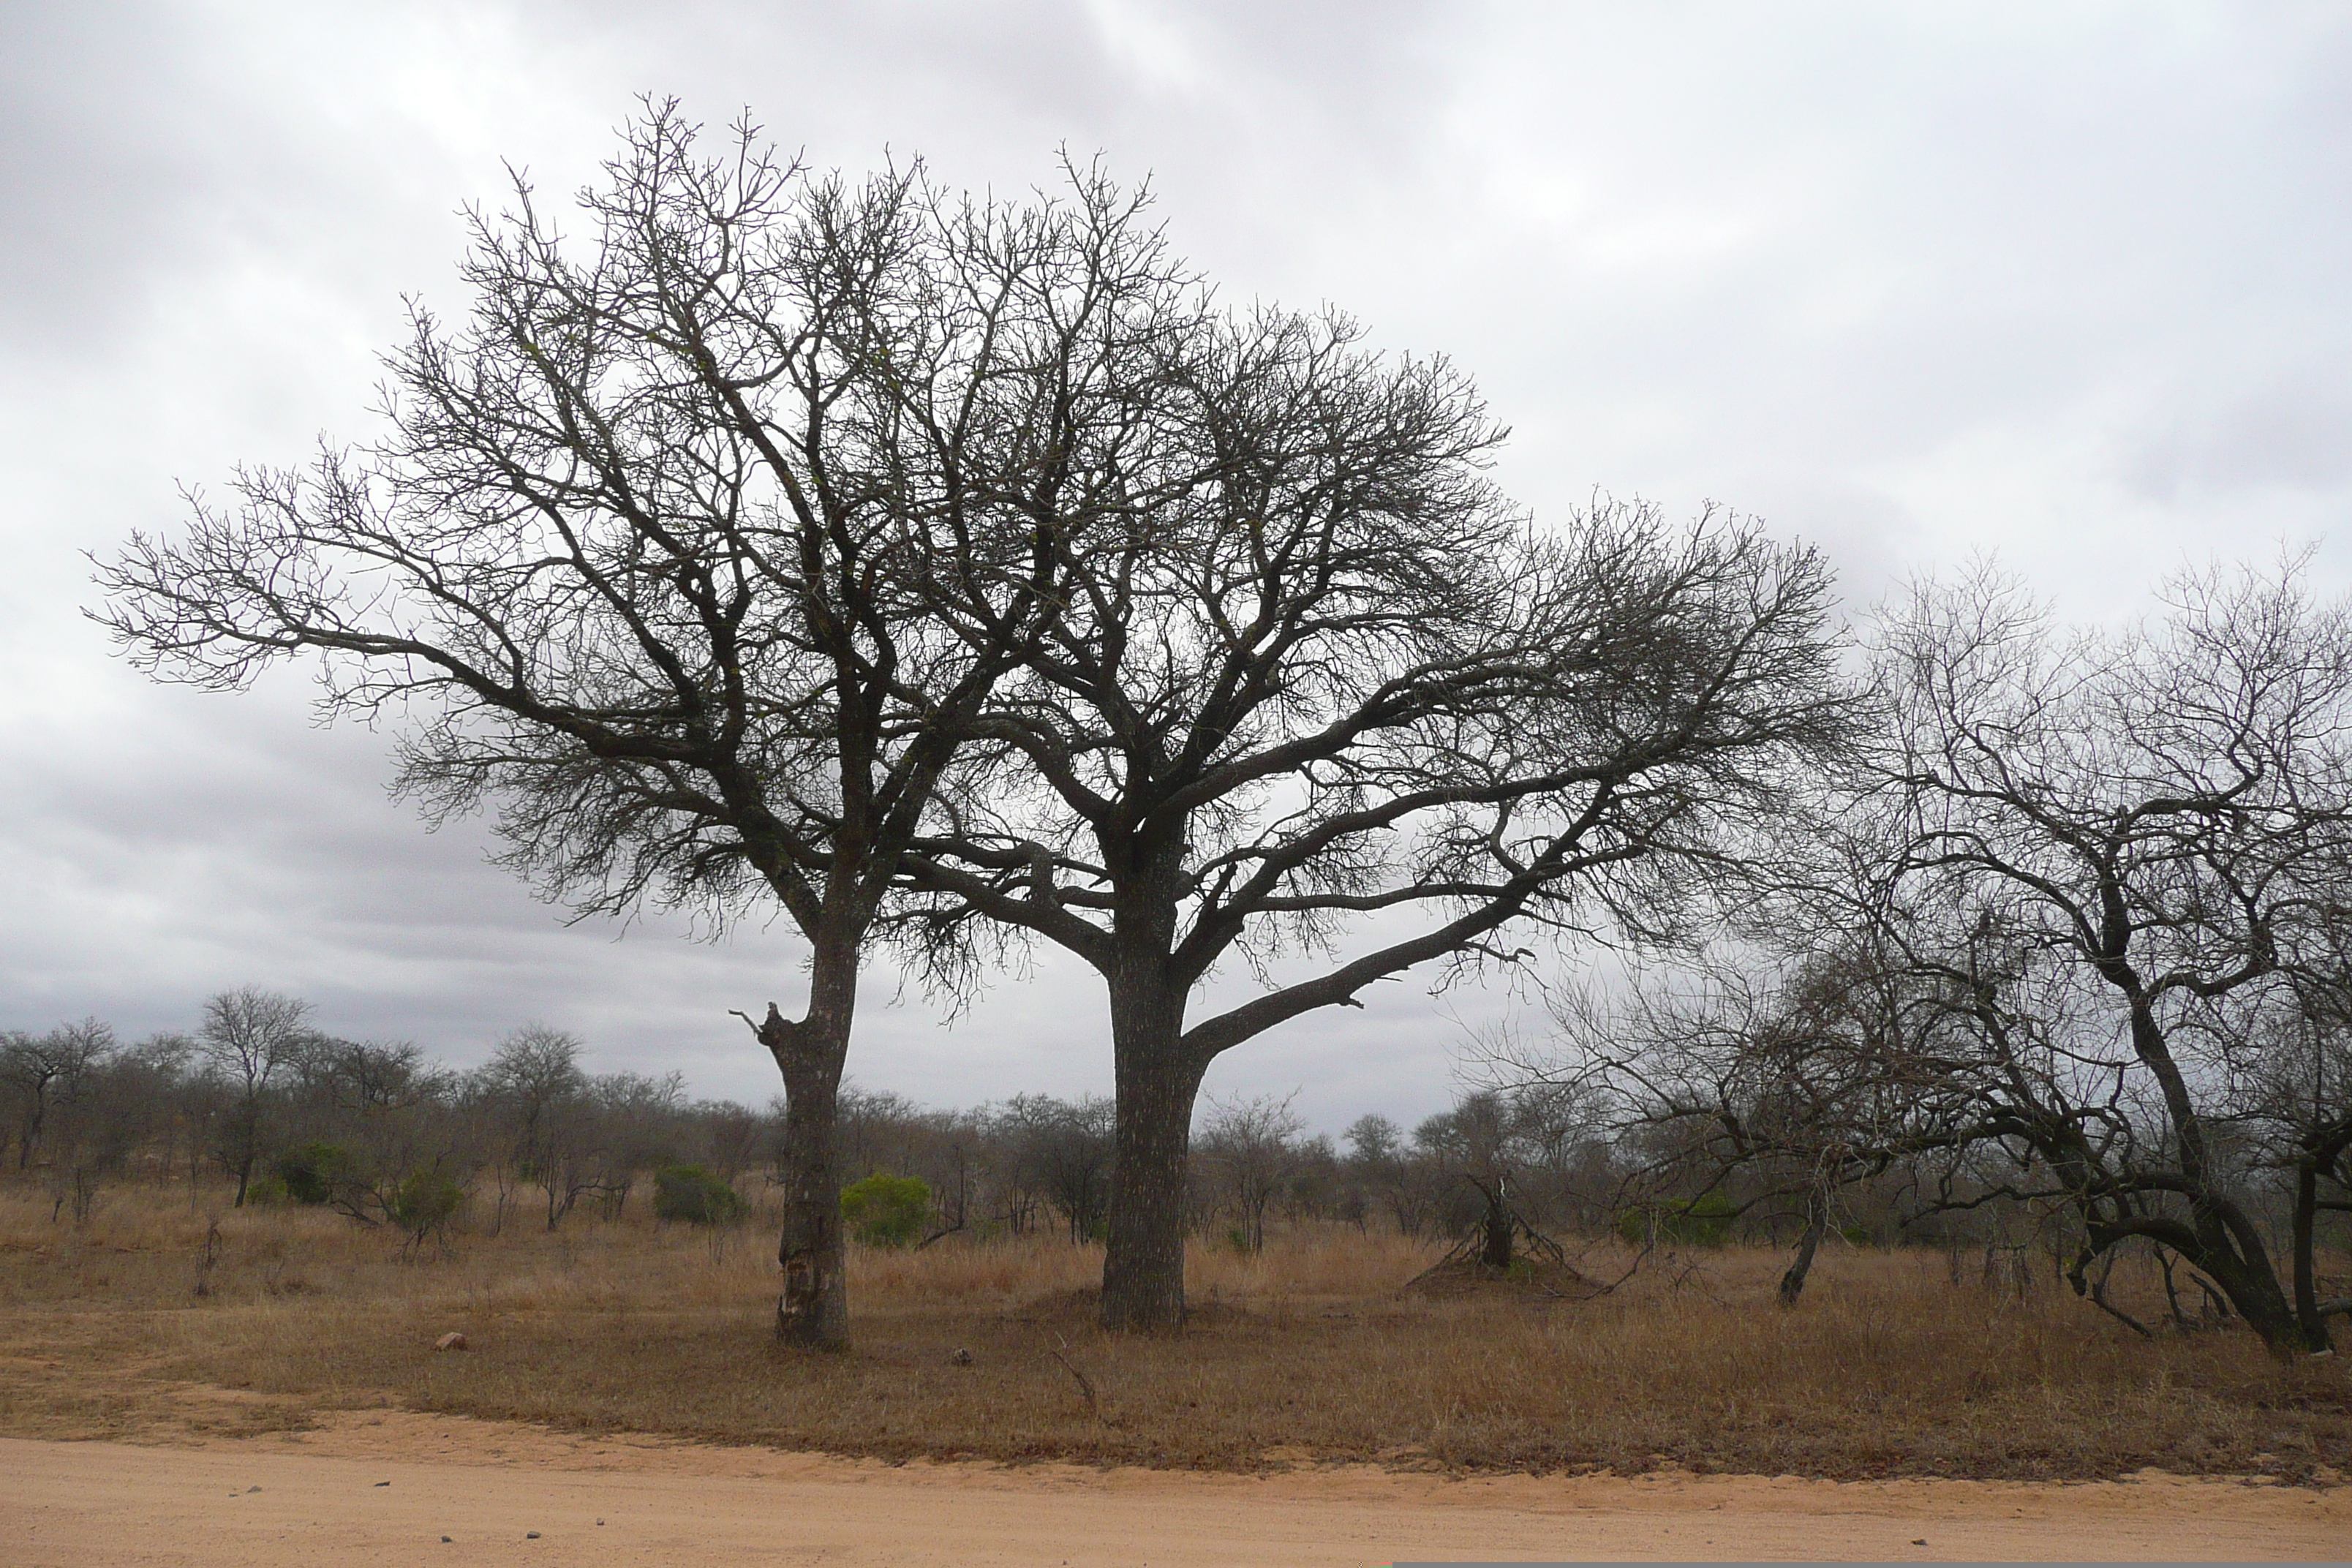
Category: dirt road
<point>391,1486</point>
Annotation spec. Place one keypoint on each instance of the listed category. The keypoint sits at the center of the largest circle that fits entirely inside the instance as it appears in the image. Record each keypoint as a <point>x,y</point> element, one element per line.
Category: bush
<point>693,1194</point>
<point>1700,1222</point>
<point>424,1202</point>
<point>886,1211</point>
<point>313,1172</point>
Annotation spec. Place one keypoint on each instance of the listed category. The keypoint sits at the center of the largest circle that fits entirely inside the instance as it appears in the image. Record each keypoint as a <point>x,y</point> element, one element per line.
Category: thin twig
<point>1085,1385</point>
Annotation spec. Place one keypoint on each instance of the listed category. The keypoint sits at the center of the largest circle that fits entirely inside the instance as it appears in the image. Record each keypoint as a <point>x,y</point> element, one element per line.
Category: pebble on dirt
<point>452,1341</point>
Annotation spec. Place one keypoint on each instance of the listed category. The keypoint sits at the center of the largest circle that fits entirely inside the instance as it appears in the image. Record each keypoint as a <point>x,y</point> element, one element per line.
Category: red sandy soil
<point>317,1498</point>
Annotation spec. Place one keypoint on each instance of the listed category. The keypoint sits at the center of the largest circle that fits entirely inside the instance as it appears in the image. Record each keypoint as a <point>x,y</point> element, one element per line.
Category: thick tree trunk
<point>2245,1275</point>
<point>1817,1222</point>
<point>2221,1243</point>
<point>1143,1270</point>
<point>814,1308</point>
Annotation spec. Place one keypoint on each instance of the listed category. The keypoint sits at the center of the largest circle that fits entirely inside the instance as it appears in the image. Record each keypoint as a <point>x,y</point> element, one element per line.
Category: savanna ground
<point>1311,1352</point>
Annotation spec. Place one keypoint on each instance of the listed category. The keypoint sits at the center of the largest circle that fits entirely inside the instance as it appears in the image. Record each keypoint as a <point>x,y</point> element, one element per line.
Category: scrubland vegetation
<point>607,1246</point>
<point>1313,1348</point>
<point>954,577</point>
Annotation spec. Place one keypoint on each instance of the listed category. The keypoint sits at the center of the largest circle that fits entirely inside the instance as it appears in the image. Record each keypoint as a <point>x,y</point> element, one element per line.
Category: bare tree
<point>2073,893</point>
<point>1378,1157</point>
<point>541,1093</point>
<point>1765,1076</point>
<point>248,1038</point>
<point>2304,1096</point>
<point>1062,1149</point>
<point>40,1070</point>
<point>636,554</point>
<point>1252,1142</point>
<point>2109,854</point>
<point>1322,671</point>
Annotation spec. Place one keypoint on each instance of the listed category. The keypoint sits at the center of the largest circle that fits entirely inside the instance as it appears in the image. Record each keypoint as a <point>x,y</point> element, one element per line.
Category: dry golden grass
<point>1308,1352</point>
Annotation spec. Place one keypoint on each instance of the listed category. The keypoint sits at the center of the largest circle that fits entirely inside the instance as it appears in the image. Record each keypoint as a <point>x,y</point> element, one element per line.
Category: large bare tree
<point>654,553</point>
<point>1321,702</point>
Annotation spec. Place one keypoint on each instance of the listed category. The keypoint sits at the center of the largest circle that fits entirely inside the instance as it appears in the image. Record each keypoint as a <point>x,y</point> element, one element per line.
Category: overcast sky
<point>2067,283</point>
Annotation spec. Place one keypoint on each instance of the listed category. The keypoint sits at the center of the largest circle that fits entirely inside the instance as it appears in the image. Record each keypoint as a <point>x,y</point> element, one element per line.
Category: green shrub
<point>424,1202</point>
<point>1697,1222</point>
<point>313,1172</point>
<point>693,1194</point>
<point>886,1211</point>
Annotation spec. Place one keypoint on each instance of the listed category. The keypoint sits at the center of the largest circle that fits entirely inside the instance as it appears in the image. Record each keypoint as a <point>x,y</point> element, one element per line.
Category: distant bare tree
<point>248,1038</point>
<point>40,1071</point>
<point>733,1136</point>
<point>539,1092</point>
<point>1062,1149</point>
<point>1379,1157</point>
<point>1251,1143</point>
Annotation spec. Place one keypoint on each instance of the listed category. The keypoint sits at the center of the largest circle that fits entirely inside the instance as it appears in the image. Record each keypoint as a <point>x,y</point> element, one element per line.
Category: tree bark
<point>2320,1153</point>
<point>2221,1242</point>
<point>2245,1274</point>
<point>1495,1249</point>
<point>1144,1268</point>
<point>2306,1284</point>
<point>813,1310</point>
<point>1817,1222</point>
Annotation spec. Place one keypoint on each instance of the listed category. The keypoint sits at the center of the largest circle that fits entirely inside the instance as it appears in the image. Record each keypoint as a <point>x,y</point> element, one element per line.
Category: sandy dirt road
<point>319,1497</point>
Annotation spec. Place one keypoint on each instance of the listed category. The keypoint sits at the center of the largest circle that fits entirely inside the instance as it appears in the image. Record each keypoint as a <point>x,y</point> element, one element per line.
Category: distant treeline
<point>256,1105</point>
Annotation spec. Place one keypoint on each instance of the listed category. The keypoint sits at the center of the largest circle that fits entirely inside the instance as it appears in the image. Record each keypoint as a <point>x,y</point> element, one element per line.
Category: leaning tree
<point>2106,859</point>
<point>1318,699</point>
<point>693,548</point>
<point>2072,942</point>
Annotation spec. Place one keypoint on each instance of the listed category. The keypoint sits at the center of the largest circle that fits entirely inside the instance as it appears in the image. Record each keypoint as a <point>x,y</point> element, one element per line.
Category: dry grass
<point>1308,1352</point>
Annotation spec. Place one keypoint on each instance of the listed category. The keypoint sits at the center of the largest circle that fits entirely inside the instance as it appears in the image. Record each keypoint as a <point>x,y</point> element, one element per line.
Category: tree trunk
<point>1495,1251</point>
<point>1817,1221</point>
<point>2245,1275</point>
<point>2221,1243</point>
<point>814,1308</point>
<point>1143,1270</point>
<point>2308,1315</point>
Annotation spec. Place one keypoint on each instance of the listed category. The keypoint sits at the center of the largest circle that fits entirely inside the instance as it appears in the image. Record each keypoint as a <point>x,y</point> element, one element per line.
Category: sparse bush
<point>693,1194</point>
<point>1699,1222</point>
<point>313,1172</point>
<point>886,1211</point>
<point>424,1203</point>
<point>267,1192</point>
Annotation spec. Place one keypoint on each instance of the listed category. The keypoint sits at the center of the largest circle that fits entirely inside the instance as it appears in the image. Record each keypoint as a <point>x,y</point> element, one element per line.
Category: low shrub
<point>312,1172</point>
<point>424,1203</point>
<point>1697,1222</point>
<point>886,1211</point>
<point>693,1194</point>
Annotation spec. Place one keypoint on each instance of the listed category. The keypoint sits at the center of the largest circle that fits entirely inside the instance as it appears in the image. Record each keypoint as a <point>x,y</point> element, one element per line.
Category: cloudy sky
<point>2069,283</point>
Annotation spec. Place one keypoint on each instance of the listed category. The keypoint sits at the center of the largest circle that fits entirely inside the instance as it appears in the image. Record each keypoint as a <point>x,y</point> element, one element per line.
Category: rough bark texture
<point>813,1308</point>
<point>1143,1265</point>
